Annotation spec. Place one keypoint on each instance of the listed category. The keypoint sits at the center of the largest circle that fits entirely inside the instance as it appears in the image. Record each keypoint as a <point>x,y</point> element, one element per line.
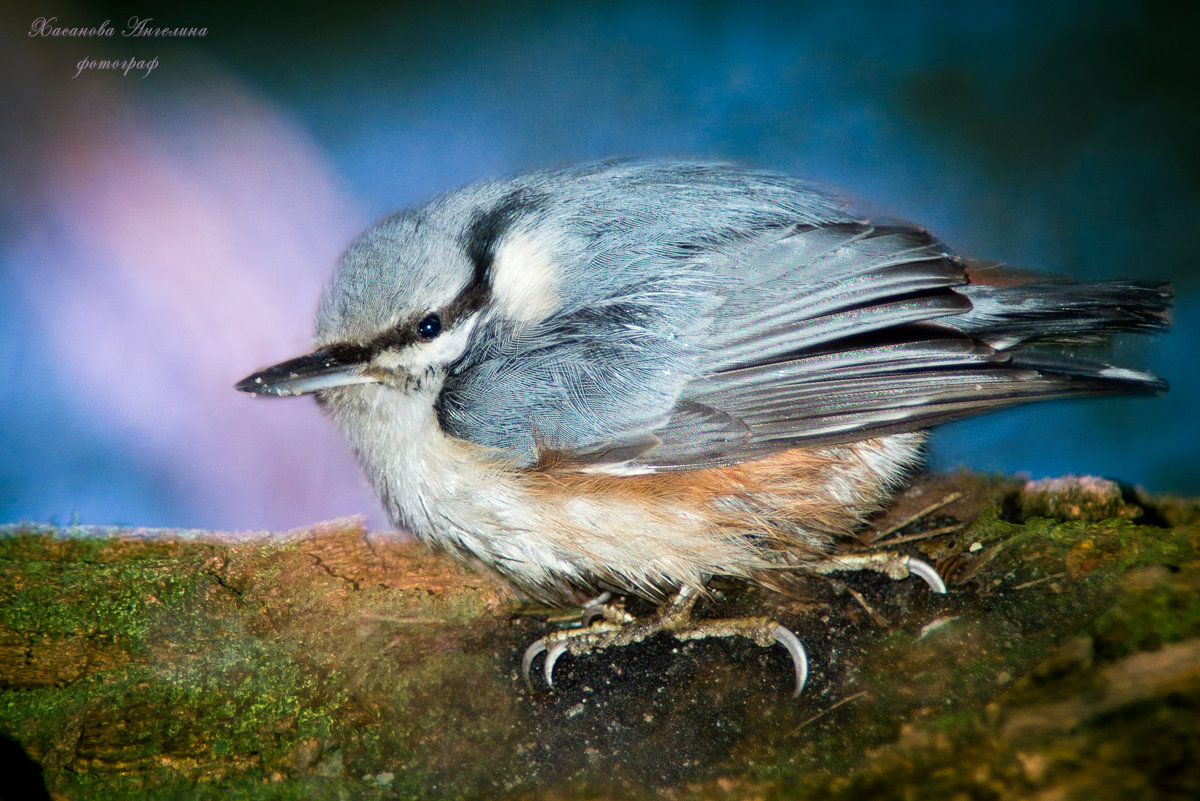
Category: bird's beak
<point>322,369</point>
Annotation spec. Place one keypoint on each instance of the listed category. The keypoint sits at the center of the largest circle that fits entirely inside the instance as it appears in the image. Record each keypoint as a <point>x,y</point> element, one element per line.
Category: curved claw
<point>527,660</point>
<point>594,608</point>
<point>792,643</point>
<point>556,650</point>
<point>927,573</point>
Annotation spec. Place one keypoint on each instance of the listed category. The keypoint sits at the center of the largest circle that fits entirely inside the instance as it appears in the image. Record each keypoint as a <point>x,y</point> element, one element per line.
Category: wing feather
<point>766,316</point>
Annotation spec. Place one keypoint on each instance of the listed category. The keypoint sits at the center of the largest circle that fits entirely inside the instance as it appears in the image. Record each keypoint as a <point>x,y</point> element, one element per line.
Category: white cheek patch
<point>524,279</point>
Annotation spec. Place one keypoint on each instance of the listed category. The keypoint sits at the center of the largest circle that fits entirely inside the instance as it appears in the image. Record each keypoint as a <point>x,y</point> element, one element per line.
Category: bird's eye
<point>429,327</point>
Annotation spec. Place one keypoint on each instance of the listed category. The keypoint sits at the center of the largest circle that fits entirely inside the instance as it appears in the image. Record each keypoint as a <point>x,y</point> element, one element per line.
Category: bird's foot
<point>583,614</point>
<point>616,627</point>
<point>894,566</point>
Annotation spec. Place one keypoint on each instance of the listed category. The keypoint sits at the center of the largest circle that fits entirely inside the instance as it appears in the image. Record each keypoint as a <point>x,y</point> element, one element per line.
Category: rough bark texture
<point>336,663</point>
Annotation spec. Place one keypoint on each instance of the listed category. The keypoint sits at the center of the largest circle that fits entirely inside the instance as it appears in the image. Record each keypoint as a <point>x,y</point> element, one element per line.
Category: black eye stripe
<point>479,242</point>
<point>404,334</point>
<point>430,326</point>
<point>487,227</point>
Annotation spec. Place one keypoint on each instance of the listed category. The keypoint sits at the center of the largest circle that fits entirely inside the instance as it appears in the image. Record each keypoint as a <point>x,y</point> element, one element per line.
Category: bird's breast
<point>553,526</point>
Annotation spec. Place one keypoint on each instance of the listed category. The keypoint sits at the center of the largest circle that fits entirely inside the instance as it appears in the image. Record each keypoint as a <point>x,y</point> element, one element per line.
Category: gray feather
<point>1061,312</point>
<point>712,315</point>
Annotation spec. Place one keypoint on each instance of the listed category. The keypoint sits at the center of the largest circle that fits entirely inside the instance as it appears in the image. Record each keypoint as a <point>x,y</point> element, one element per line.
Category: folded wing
<point>796,336</point>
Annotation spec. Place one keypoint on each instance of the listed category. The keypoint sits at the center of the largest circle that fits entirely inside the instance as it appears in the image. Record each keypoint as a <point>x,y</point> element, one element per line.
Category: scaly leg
<point>617,627</point>
<point>894,566</point>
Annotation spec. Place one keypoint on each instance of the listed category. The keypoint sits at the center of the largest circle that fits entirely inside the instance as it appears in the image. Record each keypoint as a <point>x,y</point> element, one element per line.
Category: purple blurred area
<point>164,236</point>
<point>157,249</point>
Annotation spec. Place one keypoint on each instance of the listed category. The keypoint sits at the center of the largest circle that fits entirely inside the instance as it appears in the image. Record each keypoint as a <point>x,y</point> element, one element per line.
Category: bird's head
<point>407,296</point>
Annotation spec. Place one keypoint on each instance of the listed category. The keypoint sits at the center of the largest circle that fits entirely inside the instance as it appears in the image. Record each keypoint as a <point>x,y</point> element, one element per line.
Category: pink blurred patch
<point>177,248</point>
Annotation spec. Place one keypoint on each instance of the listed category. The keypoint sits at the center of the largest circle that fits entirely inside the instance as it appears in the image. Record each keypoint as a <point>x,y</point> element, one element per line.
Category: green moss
<point>1036,586</point>
<point>1159,607</point>
<point>83,594</point>
<point>252,786</point>
<point>259,702</point>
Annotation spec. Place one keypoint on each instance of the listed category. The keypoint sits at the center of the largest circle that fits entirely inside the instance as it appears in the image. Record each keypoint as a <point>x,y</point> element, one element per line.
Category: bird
<point>636,376</point>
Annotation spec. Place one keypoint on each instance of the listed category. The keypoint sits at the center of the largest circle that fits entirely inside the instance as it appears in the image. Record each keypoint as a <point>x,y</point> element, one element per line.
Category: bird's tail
<point>1009,313</point>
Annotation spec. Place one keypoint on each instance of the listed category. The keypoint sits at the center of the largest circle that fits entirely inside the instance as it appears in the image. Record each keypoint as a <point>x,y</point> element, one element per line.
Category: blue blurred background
<point>161,237</point>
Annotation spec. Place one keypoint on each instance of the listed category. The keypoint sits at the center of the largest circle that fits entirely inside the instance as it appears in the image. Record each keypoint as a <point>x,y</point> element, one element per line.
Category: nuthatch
<point>636,376</point>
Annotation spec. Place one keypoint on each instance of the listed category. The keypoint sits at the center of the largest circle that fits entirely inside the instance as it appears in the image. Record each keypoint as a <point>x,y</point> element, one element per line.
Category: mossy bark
<point>336,663</point>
